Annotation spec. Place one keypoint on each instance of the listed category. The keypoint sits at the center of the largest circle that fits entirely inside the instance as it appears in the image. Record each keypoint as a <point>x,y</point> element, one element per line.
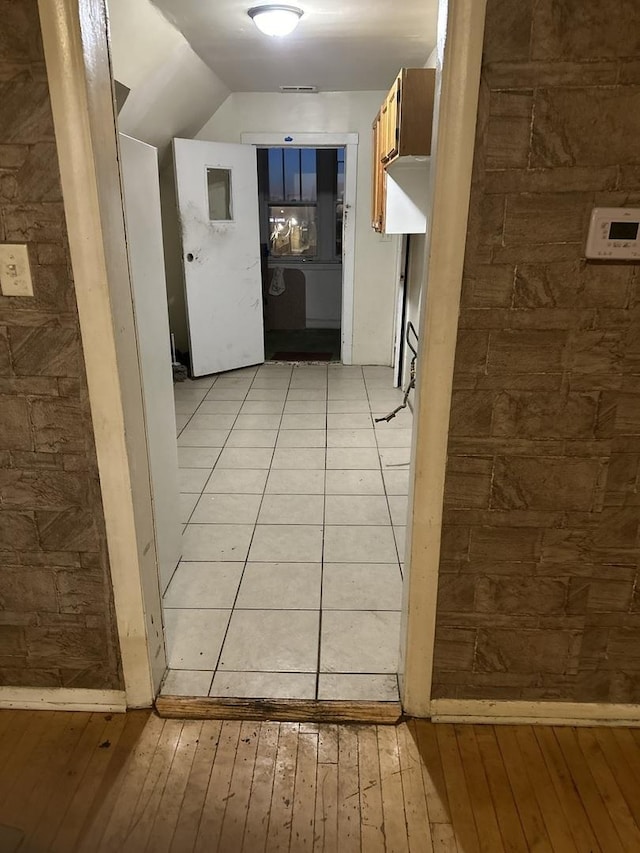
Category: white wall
<point>173,92</point>
<point>324,298</point>
<point>173,258</point>
<point>416,273</point>
<point>375,255</point>
<point>432,61</point>
<point>323,293</point>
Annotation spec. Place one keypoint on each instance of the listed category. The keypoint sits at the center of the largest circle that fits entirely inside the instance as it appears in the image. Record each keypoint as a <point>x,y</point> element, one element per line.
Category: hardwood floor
<point>95,782</point>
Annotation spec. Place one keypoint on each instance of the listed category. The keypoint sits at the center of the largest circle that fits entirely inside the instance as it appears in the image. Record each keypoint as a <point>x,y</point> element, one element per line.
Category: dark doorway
<point>301,192</point>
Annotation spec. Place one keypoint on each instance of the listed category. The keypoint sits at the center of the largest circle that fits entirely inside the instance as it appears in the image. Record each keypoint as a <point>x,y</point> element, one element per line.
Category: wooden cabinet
<point>378,187</point>
<point>390,113</point>
<point>402,128</point>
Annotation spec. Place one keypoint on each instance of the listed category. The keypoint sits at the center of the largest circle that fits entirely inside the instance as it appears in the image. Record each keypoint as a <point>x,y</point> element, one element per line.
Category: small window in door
<point>219,192</point>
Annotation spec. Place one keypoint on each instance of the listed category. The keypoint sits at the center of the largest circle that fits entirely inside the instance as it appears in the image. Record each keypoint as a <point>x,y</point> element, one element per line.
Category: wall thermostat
<point>614,234</point>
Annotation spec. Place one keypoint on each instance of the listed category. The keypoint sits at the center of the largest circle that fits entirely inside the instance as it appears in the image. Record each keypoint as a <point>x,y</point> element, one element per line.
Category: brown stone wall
<point>539,595</point>
<point>56,613</point>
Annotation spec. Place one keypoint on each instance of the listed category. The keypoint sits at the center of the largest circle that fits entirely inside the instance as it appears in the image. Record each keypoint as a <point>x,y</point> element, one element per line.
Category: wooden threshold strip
<point>281,710</point>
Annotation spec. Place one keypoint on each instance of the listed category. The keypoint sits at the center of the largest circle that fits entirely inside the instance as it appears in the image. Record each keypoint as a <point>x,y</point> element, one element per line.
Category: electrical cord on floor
<point>412,375</point>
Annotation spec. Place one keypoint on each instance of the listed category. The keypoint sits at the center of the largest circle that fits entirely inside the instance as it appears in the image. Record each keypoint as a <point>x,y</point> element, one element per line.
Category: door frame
<point>459,46</point>
<point>348,141</point>
<point>75,37</point>
<point>78,69</point>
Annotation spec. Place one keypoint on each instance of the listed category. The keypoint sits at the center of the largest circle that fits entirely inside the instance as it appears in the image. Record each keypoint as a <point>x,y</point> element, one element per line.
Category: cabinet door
<point>393,115</point>
<point>374,173</point>
<point>377,199</point>
<point>384,130</point>
<point>415,111</point>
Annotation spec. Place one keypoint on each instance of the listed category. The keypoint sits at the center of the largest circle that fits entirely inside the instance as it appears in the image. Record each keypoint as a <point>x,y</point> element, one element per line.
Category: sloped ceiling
<point>172,91</point>
<point>339,45</point>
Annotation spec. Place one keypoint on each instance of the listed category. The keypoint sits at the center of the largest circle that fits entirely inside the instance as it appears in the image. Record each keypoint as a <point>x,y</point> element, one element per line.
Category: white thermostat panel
<point>614,234</point>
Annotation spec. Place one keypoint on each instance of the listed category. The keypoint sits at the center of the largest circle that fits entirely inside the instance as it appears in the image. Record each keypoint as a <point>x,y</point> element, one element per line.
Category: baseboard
<point>282,710</point>
<point>548,713</point>
<point>63,699</point>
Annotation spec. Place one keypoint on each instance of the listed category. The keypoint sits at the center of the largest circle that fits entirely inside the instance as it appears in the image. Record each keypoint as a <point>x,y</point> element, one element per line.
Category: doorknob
<point>189,257</point>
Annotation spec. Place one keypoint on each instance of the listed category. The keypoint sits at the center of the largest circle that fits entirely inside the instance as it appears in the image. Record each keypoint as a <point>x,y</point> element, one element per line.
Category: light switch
<point>15,272</point>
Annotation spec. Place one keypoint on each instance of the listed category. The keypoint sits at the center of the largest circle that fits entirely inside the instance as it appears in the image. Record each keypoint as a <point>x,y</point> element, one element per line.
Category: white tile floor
<point>294,504</point>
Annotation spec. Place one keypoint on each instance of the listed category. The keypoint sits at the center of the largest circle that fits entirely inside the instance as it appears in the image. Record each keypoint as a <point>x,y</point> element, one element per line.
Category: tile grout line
<point>206,482</point>
<point>173,574</point>
<point>182,429</point>
<point>255,525</point>
<point>384,486</point>
<point>395,541</point>
<point>199,499</point>
<point>193,414</point>
<point>185,525</point>
<point>324,527</point>
<point>279,432</point>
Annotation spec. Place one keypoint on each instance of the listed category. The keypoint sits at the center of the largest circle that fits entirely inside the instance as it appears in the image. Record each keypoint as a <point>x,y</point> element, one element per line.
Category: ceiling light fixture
<point>274,19</point>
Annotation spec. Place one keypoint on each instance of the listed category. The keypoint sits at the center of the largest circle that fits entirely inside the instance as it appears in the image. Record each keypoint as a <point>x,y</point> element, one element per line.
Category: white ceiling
<point>339,45</point>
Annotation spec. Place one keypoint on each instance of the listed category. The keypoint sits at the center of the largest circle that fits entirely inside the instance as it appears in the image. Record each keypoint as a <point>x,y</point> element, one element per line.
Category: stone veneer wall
<point>538,592</point>
<point>57,626</point>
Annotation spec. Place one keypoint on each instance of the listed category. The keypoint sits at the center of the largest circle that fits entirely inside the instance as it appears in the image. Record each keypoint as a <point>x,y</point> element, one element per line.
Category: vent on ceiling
<point>300,90</point>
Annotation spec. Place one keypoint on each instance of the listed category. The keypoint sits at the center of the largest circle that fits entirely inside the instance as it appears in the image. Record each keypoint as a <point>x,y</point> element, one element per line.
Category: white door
<point>217,191</point>
<point>141,190</point>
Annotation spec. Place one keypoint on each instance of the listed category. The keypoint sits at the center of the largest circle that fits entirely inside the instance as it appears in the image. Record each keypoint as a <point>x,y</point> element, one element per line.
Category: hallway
<point>295,509</point>
<point>95,782</point>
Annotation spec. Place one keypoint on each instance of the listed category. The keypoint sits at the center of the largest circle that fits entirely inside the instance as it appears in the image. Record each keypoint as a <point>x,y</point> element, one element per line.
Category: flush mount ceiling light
<point>274,19</point>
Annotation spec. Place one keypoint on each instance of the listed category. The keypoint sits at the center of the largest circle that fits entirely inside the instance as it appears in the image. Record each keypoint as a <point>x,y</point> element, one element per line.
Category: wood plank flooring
<point>136,782</point>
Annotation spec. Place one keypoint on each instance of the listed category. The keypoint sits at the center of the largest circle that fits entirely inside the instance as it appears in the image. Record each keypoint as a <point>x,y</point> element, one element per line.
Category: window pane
<point>339,199</point>
<point>309,182</point>
<point>292,231</point>
<point>219,191</point>
<point>276,174</point>
<point>340,179</point>
<point>292,174</point>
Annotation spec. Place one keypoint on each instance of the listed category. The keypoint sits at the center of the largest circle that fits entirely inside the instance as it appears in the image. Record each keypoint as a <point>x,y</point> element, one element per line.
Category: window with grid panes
<point>304,189</point>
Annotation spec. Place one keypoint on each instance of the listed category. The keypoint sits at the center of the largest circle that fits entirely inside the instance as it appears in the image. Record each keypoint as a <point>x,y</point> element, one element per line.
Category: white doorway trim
<point>459,60</point>
<point>79,74</point>
<point>77,59</point>
<point>348,141</point>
